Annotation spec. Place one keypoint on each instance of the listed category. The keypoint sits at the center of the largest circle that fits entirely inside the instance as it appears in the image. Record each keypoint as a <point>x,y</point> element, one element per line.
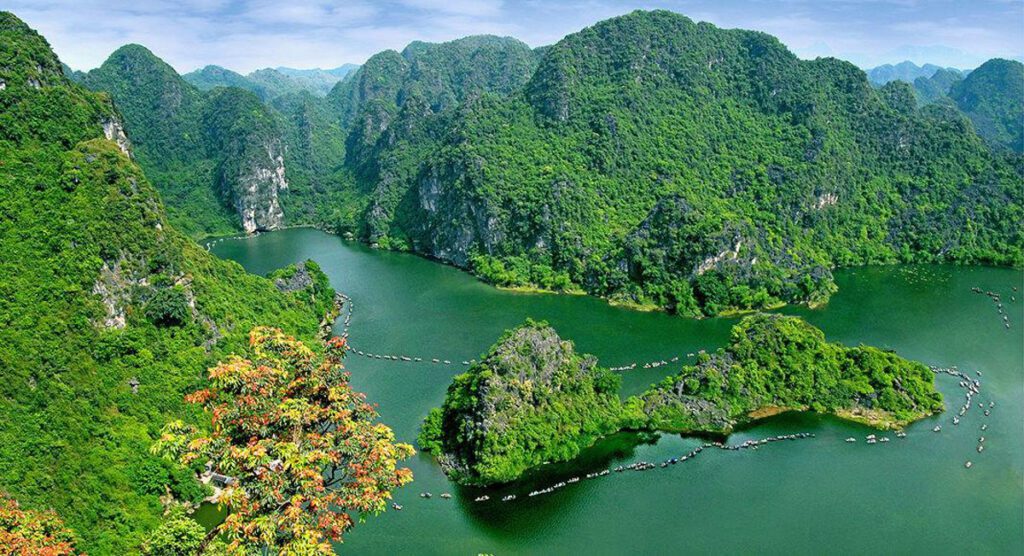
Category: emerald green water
<point>813,496</point>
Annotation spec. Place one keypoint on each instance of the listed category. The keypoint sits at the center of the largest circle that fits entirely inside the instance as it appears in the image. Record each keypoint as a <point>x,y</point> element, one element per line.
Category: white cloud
<point>248,34</point>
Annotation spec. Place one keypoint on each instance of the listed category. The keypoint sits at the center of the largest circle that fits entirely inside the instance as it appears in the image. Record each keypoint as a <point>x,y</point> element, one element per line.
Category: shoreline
<point>207,241</point>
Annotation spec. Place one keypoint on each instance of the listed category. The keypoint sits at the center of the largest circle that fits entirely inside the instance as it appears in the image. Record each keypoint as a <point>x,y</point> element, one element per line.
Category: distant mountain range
<point>992,95</point>
<point>269,83</point>
<point>907,71</point>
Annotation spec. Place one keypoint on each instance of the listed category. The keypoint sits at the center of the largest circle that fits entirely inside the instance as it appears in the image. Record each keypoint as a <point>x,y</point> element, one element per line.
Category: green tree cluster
<point>775,363</point>
<point>529,400</point>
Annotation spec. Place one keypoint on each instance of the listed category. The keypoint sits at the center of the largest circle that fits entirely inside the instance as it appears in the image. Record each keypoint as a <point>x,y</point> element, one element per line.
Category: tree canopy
<point>304,450</point>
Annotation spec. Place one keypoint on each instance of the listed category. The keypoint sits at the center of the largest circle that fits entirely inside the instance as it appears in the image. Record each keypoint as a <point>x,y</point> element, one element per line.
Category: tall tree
<point>303,449</point>
<point>32,532</point>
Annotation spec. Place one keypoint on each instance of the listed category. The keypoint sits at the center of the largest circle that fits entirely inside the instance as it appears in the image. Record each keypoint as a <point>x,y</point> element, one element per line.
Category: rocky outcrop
<point>256,191</point>
<point>245,139</point>
<point>114,291</point>
<point>300,279</point>
<point>114,131</point>
<point>530,400</point>
<point>454,222</point>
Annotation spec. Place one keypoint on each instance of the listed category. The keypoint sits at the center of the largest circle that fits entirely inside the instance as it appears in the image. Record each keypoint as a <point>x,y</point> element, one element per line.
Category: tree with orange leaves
<point>28,532</point>
<point>304,450</point>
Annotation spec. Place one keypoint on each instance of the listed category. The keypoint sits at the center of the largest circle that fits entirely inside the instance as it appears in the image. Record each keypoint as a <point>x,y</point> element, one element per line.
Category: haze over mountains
<point>269,83</point>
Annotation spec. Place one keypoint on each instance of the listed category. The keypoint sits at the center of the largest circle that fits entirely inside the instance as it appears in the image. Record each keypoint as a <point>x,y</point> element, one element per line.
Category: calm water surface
<point>910,496</point>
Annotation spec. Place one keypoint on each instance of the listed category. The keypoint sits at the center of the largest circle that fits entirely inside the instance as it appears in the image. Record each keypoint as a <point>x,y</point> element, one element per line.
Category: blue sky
<point>248,34</point>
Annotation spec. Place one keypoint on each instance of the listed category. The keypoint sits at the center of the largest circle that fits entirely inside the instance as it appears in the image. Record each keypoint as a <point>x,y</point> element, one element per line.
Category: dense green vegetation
<point>936,87</point>
<point>647,159</point>
<point>108,315</point>
<point>657,161</point>
<point>993,97</point>
<point>530,399</point>
<point>775,363</point>
<point>216,157</point>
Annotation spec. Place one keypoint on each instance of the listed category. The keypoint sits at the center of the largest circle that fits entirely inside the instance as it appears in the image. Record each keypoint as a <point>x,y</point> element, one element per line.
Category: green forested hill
<point>775,363</point>
<point>993,97</point>
<point>936,87</point>
<point>395,108</point>
<point>660,161</point>
<point>648,159</point>
<point>190,142</point>
<point>531,399</point>
<point>108,315</point>
<point>210,77</point>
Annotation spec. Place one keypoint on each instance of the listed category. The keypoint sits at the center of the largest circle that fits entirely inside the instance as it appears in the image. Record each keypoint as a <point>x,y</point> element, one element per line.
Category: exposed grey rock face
<point>114,286</point>
<point>298,281</point>
<point>256,194</point>
<point>453,223</point>
<point>114,131</point>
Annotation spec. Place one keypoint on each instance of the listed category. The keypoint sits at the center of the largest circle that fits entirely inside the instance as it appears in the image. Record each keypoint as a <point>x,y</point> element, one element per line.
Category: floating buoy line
<point>346,322</point>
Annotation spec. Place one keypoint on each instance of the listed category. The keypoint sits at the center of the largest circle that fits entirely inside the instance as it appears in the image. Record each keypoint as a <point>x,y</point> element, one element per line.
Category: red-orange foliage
<point>28,532</point>
<point>305,449</point>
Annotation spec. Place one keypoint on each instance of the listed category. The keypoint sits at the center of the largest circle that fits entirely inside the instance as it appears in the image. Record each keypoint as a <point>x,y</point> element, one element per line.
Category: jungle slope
<point>100,296</point>
<point>217,157</point>
<point>661,162</point>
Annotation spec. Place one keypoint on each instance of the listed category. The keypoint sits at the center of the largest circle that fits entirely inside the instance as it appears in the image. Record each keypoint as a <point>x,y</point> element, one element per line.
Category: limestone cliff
<point>245,139</point>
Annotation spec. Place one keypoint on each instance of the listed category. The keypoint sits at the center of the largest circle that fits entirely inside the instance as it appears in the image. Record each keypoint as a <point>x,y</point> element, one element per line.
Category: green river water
<point>814,496</point>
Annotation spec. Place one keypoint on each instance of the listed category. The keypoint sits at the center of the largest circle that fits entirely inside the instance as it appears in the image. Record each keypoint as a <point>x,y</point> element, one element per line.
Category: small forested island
<point>533,399</point>
<point>775,363</point>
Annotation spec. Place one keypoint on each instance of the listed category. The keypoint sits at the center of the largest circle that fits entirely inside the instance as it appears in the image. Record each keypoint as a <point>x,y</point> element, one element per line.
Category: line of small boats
<point>972,387</point>
<point>998,300</point>
<point>652,364</point>
<point>645,465</point>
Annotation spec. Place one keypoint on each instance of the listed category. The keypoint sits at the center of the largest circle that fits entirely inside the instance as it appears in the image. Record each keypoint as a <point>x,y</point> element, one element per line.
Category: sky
<point>245,35</point>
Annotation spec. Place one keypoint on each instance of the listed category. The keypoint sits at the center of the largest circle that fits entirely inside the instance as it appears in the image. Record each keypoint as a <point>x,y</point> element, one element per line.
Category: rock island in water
<point>532,399</point>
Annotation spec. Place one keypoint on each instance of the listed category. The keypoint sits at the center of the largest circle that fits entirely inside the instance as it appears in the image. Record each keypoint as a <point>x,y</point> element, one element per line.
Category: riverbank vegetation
<point>775,363</point>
